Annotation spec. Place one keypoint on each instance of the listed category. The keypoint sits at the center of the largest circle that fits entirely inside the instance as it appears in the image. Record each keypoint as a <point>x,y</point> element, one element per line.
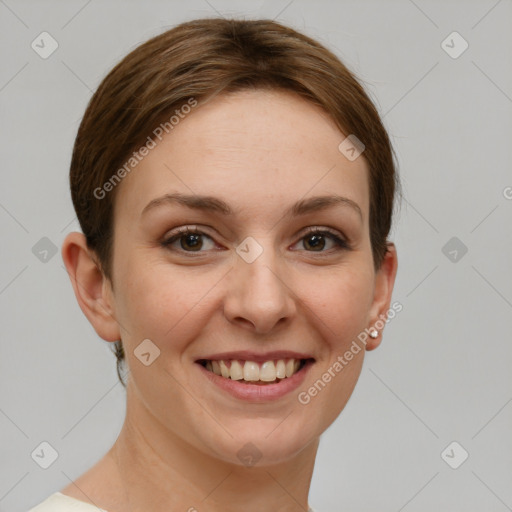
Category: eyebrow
<point>216,205</point>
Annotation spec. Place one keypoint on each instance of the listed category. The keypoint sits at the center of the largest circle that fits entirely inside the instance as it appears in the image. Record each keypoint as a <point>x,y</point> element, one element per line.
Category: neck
<point>159,471</point>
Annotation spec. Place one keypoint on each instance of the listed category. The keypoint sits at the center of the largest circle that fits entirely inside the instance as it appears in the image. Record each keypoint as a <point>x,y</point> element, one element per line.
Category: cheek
<point>339,309</point>
<point>341,301</point>
<point>157,303</point>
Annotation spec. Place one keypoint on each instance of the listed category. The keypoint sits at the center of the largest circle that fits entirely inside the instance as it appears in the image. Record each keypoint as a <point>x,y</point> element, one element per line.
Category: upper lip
<point>247,355</point>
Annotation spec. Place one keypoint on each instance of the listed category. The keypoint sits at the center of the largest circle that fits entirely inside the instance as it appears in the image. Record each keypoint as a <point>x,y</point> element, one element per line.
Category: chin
<point>263,442</point>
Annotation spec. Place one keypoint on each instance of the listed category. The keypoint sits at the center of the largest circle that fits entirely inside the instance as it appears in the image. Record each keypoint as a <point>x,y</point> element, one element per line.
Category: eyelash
<point>180,232</point>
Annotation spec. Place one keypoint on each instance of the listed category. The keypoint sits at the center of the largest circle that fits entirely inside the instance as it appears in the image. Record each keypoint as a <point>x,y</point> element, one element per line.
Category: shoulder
<point>59,502</point>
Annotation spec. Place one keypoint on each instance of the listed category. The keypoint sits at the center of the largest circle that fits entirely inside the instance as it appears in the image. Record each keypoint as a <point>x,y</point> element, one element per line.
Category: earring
<point>374,333</point>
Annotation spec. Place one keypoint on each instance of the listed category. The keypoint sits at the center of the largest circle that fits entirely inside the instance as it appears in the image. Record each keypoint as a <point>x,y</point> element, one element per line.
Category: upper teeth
<point>252,371</point>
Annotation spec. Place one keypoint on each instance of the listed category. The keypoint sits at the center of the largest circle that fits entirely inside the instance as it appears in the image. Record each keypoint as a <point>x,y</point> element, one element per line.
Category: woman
<point>235,187</point>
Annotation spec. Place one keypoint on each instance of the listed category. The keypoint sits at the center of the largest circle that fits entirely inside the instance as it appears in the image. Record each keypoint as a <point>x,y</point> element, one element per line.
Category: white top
<point>59,502</point>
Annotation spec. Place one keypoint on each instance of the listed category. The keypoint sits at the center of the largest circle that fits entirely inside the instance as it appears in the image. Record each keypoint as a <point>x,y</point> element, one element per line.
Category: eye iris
<point>318,241</point>
<point>196,241</point>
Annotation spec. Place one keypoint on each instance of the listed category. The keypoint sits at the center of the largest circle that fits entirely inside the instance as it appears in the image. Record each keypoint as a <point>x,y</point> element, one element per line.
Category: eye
<point>190,240</point>
<point>315,239</point>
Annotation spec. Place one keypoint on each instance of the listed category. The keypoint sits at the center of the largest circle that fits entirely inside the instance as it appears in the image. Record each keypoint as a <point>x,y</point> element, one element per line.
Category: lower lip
<point>258,392</point>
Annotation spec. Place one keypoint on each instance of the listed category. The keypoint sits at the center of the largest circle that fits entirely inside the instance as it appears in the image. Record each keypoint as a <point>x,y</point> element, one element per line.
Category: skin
<point>260,151</point>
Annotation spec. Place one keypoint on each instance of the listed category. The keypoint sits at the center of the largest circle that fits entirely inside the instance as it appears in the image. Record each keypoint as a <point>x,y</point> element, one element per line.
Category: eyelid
<point>325,229</point>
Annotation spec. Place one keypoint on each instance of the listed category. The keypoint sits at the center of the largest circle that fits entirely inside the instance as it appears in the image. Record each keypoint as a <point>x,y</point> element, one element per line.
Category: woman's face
<point>253,285</point>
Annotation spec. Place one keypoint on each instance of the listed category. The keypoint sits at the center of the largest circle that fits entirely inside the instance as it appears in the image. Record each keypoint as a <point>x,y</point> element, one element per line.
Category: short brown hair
<point>199,59</point>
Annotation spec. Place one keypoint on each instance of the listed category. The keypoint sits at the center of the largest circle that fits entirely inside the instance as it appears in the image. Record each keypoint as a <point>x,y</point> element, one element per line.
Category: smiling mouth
<point>251,372</point>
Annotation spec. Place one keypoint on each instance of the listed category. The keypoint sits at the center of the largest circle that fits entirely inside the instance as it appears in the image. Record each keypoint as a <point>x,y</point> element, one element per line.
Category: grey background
<point>442,373</point>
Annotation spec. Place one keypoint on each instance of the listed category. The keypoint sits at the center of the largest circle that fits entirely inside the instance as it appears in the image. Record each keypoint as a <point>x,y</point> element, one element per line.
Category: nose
<point>258,296</point>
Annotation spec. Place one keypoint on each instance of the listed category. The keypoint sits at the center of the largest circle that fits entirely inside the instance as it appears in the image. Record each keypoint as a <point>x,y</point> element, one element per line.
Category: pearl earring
<point>374,333</point>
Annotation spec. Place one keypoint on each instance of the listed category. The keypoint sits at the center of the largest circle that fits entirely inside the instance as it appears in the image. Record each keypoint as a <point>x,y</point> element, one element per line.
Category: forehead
<point>248,147</point>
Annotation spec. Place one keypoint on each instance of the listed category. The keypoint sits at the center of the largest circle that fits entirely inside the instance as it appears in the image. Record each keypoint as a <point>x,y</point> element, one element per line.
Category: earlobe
<point>384,283</point>
<point>92,289</point>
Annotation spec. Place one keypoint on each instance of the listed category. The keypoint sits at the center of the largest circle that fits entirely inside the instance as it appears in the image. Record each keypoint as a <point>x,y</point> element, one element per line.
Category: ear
<point>384,282</point>
<point>93,290</point>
